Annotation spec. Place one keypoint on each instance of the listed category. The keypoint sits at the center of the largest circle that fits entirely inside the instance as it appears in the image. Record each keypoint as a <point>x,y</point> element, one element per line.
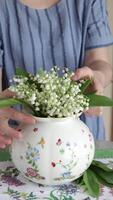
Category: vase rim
<point>52,119</point>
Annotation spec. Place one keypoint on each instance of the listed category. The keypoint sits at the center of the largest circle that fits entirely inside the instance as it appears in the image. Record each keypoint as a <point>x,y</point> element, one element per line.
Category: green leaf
<point>29,161</point>
<point>21,72</point>
<point>102,181</point>
<point>85,85</point>
<point>107,176</point>
<point>9,102</point>
<point>91,183</point>
<point>33,164</point>
<point>79,180</point>
<point>98,100</point>
<point>101,165</point>
<point>13,101</point>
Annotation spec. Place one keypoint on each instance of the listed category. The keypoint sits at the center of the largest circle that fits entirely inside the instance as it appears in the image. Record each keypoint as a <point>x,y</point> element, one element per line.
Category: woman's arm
<point>97,60</point>
<point>97,67</point>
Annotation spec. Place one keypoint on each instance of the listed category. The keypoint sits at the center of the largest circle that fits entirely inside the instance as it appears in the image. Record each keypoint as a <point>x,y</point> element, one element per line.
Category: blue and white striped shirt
<point>59,35</point>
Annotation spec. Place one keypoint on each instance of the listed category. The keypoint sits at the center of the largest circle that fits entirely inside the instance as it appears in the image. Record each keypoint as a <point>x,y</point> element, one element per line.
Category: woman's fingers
<point>2,144</point>
<point>83,73</point>
<point>7,134</point>
<point>4,141</point>
<point>11,113</point>
<point>7,93</point>
<point>86,72</point>
<point>10,132</point>
<point>96,86</point>
<point>96,111</point>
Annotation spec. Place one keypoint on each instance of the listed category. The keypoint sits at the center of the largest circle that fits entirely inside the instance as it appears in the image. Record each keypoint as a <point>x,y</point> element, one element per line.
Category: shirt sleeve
<point>98,29</point>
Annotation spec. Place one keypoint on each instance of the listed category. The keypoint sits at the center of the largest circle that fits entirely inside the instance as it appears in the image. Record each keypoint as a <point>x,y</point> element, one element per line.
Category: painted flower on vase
<point>32,153</point>
<point>32,156</point>
<point>71,163</point>
<point>31,172</point>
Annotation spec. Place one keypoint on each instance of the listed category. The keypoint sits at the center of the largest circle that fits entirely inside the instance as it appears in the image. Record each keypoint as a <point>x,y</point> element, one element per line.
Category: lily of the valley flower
<point>51,95</point>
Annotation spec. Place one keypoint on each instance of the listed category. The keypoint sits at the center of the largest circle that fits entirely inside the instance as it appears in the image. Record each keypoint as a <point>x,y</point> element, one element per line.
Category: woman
<point>67,33</point>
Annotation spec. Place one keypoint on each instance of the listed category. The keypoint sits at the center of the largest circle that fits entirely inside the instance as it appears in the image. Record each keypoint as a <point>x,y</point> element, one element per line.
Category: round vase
<point>53,151</point>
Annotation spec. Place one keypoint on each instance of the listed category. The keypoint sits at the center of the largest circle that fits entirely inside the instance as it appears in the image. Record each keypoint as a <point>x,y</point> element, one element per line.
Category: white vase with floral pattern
<point>53,151</point>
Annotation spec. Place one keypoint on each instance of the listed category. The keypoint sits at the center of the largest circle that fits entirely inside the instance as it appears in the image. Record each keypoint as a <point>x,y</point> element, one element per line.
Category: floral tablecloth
<point>13,186</point>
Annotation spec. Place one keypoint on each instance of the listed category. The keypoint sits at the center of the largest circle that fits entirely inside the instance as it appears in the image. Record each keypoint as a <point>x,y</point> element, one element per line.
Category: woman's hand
<point>86,72</point>
<point>7,134</point>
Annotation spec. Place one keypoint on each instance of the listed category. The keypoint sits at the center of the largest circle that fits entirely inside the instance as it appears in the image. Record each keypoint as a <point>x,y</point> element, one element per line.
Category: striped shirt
<point>59,35</point>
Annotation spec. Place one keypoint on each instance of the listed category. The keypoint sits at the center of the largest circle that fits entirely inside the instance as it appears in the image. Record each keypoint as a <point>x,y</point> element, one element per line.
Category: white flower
<point>32,99</point>
<point>51,95</point>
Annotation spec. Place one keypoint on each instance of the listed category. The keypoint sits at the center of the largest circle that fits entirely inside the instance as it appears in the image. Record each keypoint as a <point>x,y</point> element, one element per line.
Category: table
<point>13,186</point>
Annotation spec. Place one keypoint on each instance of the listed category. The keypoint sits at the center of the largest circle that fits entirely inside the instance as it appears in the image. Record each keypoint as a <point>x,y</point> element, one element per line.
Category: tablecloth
<point>13,186</point>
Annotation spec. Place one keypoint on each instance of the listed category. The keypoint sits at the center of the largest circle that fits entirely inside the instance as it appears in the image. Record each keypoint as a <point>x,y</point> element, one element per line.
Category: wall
<point>108,112</point>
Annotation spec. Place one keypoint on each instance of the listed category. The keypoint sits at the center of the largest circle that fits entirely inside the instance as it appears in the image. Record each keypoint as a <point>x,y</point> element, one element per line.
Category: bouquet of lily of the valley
<point>54,94</point>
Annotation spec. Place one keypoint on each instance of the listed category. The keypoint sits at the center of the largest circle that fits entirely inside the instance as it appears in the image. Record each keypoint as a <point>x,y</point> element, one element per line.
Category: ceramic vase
<point>53,151</point>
